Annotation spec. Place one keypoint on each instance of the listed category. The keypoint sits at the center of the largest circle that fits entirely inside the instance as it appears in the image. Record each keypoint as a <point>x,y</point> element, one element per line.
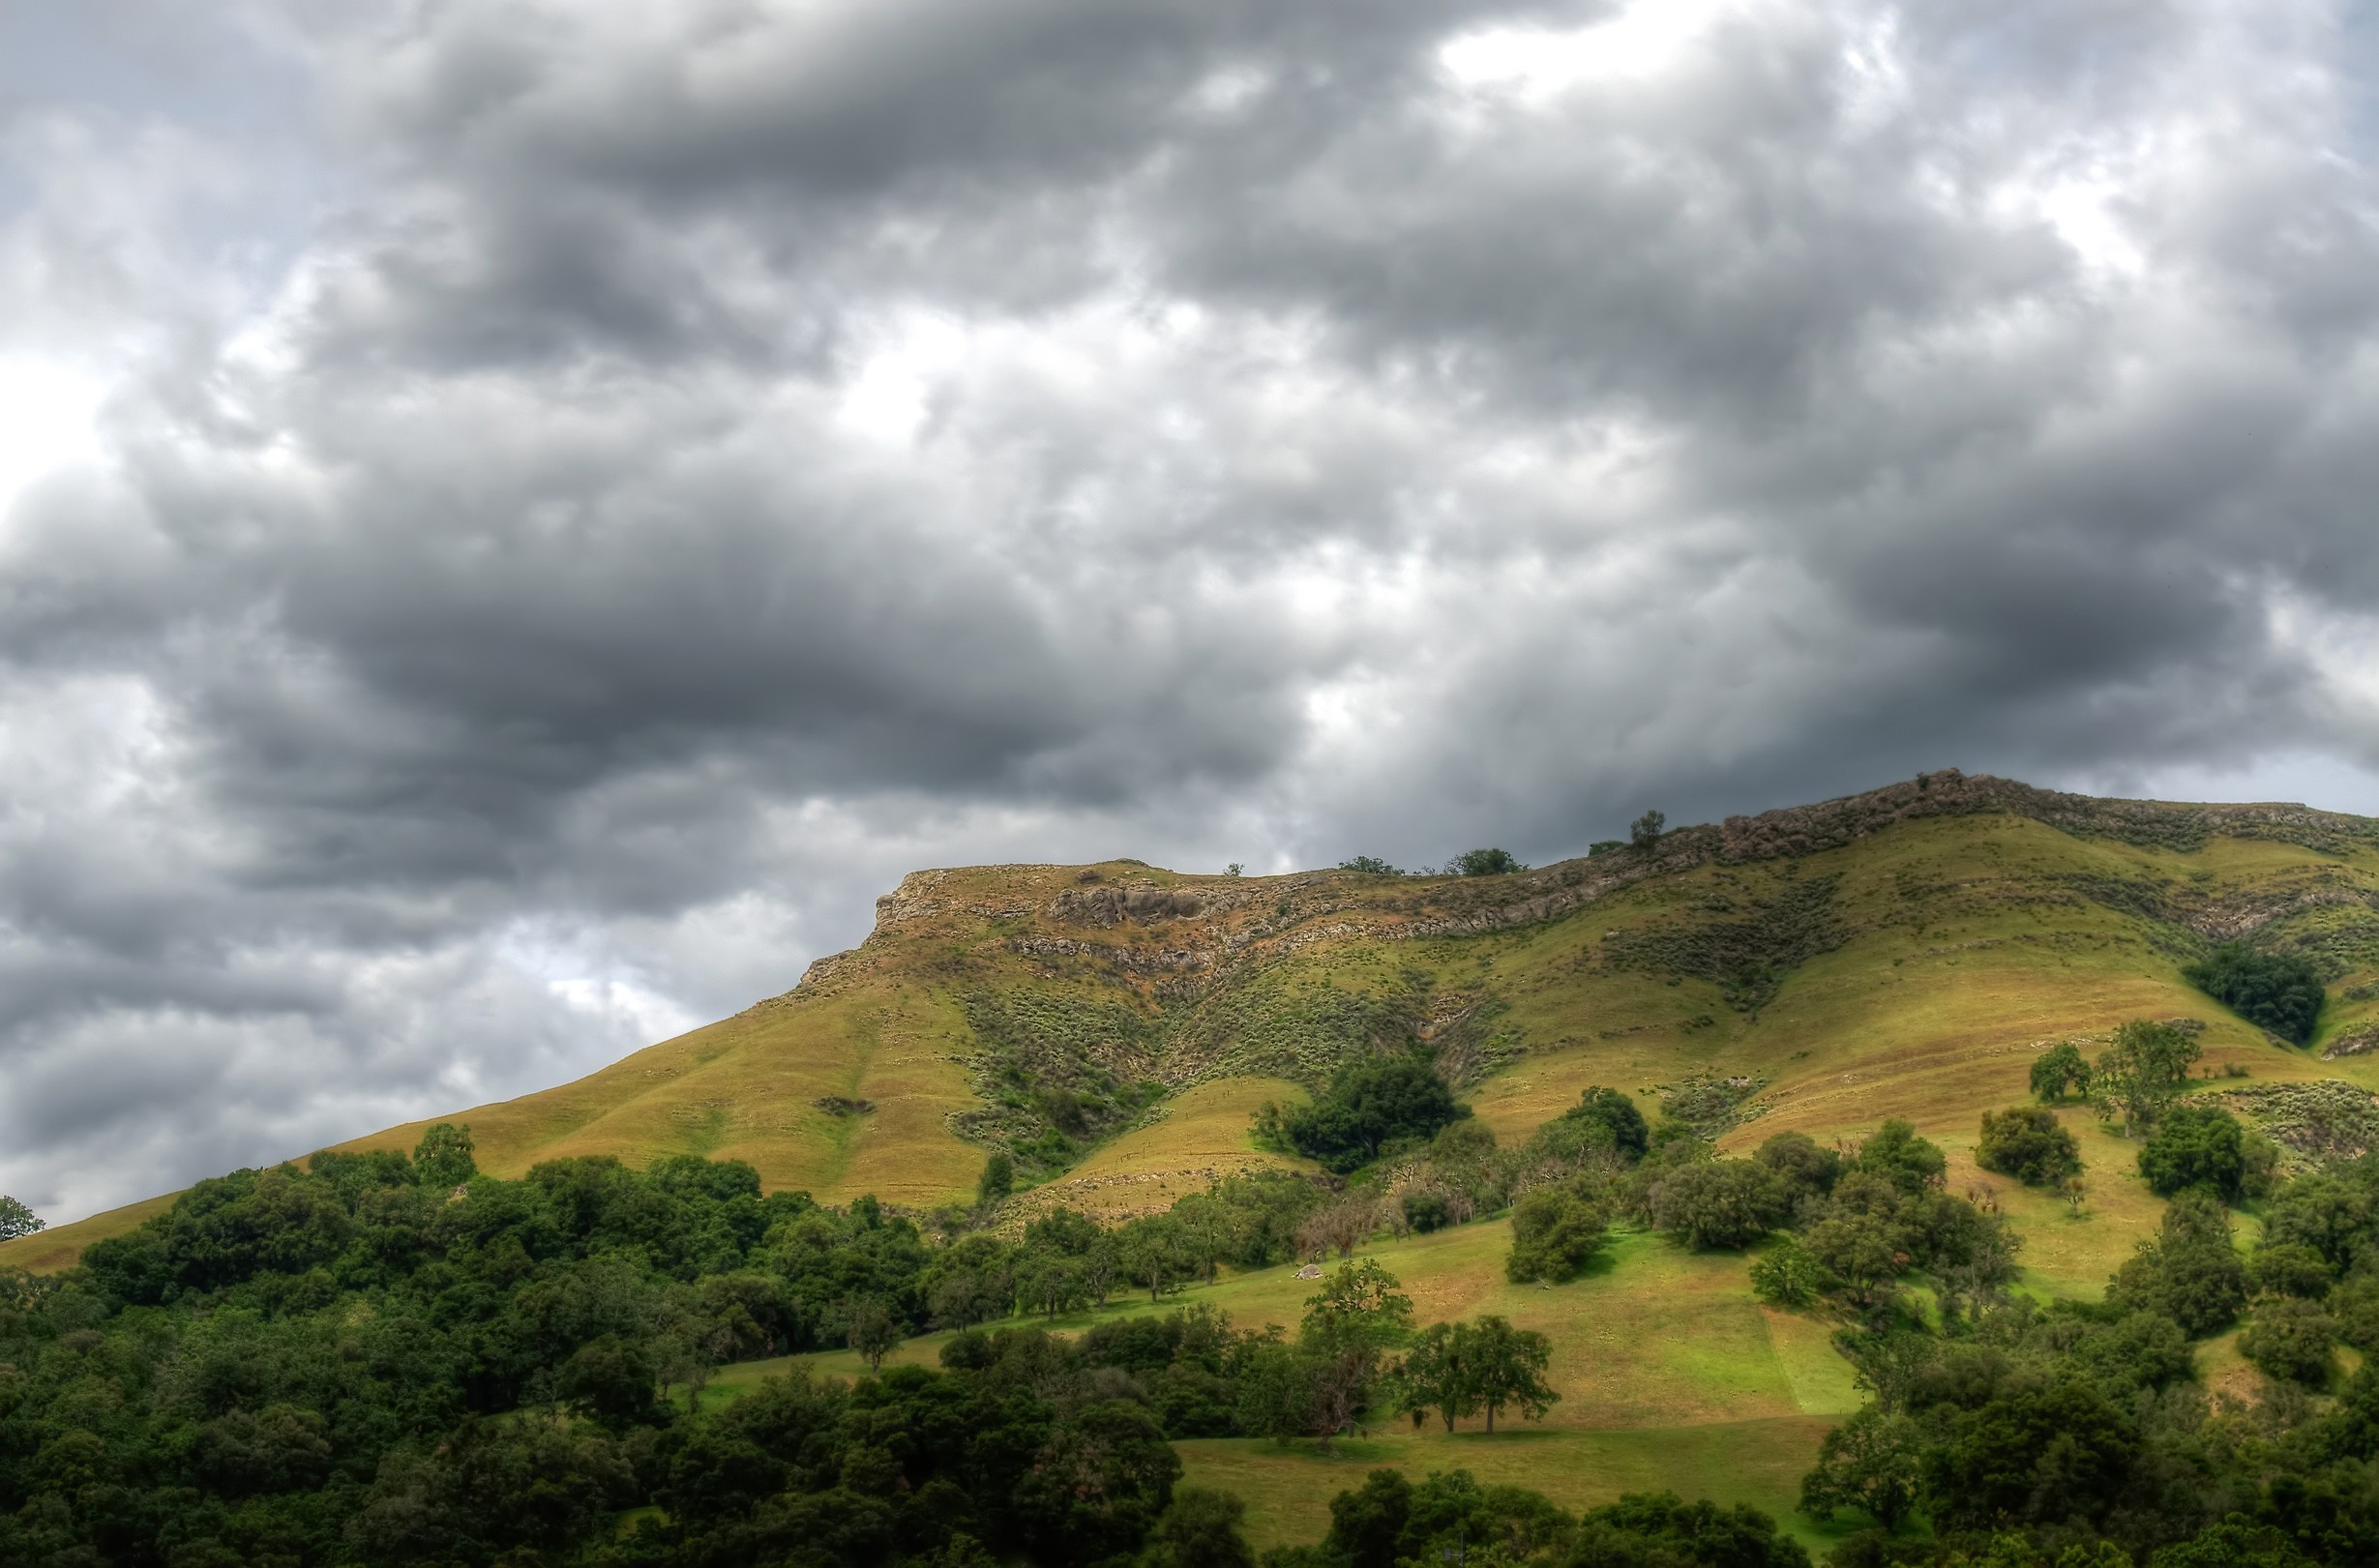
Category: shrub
<point>1486,863</point>
<point>1789,1275</point>
<point>2278,992</point>
<point>2027,1142</point>
<point>2291,1340</point>
<point>1426,1211</point>
<point>2195,1146</point>
<point>1556,1232</point>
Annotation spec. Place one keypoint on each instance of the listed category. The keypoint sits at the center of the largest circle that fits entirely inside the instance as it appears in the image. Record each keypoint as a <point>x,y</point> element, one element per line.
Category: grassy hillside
<point>1902,953</point>
<point>1898,953</point>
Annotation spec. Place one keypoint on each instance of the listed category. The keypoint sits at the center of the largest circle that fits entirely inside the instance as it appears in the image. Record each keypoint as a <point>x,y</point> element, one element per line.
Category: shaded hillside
<point>1895,953</point>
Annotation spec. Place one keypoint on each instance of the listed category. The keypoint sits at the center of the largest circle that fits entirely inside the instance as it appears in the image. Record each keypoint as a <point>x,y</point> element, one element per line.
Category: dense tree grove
<point>384,1359</point>
<point>1369,1105</point>
<point>2278,992</point>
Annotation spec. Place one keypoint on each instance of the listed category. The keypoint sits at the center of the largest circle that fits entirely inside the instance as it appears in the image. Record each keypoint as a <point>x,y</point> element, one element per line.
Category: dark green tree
<point>1719,1202</point>
<point>16,1219</point>
<point>1874,1462</point>
<point>1555,1234</point>
<point>2190,1272</point>
<point>1154,1253</point>
<point>1486,863</point>
<point>2292,1339</point>
<point>2060,1071</point>
<point>1367,1104</point>
<point>1645,831</point>
<point>2196,1147</point>
<point>2140,1075</point>
<point>1435,1376</point>
<point>2027,1142</point>
<point>1506,1367</point>
<point>1910,1163</point>
<point>997,1181</point>
<point>444,1159</point>
<point>1201,1528</point>
<point>871,1329</point>
<point>1614,1113</point>
<point>2278,992</point>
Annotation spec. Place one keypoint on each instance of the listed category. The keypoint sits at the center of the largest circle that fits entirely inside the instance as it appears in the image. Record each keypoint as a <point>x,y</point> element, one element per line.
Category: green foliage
<point>16,1219</point>
<point>1369,866</point>
<point>2190,1272</point>
<point>1367,1105</point>
<point>2292,1339</point>
<point>1505,1366</point>
<point>445,1157</point>
<point>2029,1144</point>
<point>1873,1463</point>
<point>1719,1202</point>
<point>1789,1274</point>
<point>1614,1113</point>
<point>1485,863</point>
<point>1645,831</point>
<point>1808,1173</point>
<point>1389,1522</point>
<point>1910,1163</point>
<point>1556,1231</point>
<point>1200,1528</point>
<point>997,1181</point>
<point>2278,992</point>
<point>2196,1147</point>
<point>2059,1072</point>
<point>2140,1075</point>
<point>1425,1211</point>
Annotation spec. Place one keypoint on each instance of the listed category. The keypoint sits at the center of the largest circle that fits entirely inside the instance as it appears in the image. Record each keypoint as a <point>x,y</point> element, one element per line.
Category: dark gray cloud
<point>525,516</point>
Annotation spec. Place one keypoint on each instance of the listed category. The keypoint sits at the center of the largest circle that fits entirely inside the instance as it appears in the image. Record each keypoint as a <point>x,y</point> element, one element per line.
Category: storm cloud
<point>518,518</point>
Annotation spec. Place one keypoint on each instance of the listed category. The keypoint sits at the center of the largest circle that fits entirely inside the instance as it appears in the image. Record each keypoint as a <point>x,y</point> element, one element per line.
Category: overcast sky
<point>518,518</point>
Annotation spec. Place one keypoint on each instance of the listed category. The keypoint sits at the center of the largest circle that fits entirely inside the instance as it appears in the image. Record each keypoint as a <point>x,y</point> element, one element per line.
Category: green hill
<point>1898,953</point>
<point>1903,953</point>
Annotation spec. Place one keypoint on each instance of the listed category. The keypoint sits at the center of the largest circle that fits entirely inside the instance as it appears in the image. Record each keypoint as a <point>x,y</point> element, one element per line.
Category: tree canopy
<point>1366,1105</point>
<point>2278,992</point>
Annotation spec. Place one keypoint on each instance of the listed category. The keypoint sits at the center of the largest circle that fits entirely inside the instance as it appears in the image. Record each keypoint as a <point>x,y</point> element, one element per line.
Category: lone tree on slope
<point>1646,830</point>
<point>16,1219</point>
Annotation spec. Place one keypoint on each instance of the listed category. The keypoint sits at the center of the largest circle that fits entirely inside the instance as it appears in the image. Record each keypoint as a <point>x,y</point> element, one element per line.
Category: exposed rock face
<point>1107,907</point>
<point>1282,912</point>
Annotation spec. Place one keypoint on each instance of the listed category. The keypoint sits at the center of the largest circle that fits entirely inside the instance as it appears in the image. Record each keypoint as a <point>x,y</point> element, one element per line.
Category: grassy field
<point>1670,1374</point>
